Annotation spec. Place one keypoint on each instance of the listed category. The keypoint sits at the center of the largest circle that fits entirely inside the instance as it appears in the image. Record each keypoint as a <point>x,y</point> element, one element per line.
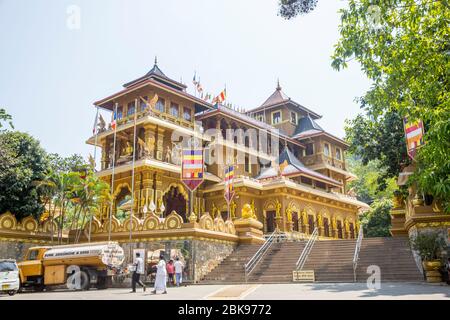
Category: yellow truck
<point>79,266</point>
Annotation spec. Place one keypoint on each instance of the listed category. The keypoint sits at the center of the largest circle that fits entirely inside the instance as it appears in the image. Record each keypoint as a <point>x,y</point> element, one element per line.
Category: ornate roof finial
<point>278,84</point>
<point>156,60</point>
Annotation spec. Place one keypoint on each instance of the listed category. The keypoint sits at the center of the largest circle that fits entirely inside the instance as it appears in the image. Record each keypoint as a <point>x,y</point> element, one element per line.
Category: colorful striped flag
<point>229,179</point>
<point>113,122</point>
<point>414,136</point>
<point>192,168</point>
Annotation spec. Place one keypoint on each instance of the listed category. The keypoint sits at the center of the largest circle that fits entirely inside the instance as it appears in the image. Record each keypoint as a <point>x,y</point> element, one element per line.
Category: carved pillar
<point>158,190</point>
<point>150,139</point>
<point>160,143</point>
<point>147,189</point>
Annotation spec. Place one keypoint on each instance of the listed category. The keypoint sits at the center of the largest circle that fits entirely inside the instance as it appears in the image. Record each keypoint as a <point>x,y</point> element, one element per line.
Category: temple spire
<point>156,60</point>
<point>278,84</point>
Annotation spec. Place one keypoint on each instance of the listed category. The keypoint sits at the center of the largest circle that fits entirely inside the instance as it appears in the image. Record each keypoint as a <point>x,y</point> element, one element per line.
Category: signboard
<point>229,179</point>
<point>192,167</point>
<point>414,136</point>
<point>303,276</point>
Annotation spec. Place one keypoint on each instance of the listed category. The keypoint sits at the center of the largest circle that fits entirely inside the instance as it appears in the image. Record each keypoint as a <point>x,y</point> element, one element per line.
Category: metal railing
<point>307,250</point>
<point>252,263</point>
<point>356,254</point>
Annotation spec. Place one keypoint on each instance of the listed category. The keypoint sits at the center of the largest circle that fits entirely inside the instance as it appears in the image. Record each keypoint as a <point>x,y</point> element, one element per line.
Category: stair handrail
<point>251,264</point>
<point>307,249</point>
<point>356,254</point>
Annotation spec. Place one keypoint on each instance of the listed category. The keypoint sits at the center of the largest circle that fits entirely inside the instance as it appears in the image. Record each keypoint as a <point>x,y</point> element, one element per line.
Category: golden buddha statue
<point>247,211</point>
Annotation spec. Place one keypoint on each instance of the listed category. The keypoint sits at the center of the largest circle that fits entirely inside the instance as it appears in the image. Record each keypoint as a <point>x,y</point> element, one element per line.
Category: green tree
<point>289,9</point>
<point>403,47</point>
<point>4,116</point>
<point>22,162</point>
<point>377,221</point>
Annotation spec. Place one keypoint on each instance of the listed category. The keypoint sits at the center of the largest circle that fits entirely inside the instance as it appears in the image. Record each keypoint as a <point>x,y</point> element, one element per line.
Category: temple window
<point>293,117</point>
<point>260,117</point>
<point>306,180</point>
<point>326,149</point>
<point>119,112</point>
<point>276,117</point>
<point>160,105</point>
<point>338,154</point>
<point>143,104</point>
<point>130,109</point>
<point>187,114</point>
<point>321,185</point>
<point>174,109</point>
<point>309,149</point>
<point>247,166</point>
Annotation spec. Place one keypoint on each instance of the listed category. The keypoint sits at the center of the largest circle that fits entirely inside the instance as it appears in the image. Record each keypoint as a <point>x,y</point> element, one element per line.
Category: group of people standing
<point>172,271</point>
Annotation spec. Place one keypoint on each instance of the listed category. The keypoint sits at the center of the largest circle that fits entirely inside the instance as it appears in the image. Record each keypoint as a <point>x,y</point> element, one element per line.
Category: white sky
<point>50,75</point>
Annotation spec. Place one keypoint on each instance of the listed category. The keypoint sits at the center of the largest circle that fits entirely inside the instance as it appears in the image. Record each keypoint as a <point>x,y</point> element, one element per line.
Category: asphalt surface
<point>313,291</point>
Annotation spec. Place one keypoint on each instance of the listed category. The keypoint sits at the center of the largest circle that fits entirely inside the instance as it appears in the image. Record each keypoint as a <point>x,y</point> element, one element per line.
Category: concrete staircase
<point>231,269</point>
<point>278,263</point>
<point>392,255</point>
<point>331,260</point>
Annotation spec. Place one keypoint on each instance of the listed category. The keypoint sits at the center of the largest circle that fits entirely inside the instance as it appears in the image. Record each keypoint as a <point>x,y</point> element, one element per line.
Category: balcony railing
<point>320,158</point>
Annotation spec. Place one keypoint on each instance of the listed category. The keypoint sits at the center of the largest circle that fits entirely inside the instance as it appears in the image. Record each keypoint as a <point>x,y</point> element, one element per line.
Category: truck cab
<point>32,268</point>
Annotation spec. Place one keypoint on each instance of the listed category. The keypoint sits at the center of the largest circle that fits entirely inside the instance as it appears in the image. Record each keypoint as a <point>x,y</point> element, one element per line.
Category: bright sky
<point>51,74</point>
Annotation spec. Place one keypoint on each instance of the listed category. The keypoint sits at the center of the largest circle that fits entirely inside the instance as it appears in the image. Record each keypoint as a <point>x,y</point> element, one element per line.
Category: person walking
<point>170,271</point>
<point>138,270</point>
<point>161,276</point>
<point>178,271</point>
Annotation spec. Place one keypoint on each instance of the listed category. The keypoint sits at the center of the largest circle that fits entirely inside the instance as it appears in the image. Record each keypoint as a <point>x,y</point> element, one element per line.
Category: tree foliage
<point>22,162</point>
<point>371,184</point>
<point>377,221</point>
<point>403,47</point>
<point>381,140</point>
<point>4,116</point>
<point>289,9</point>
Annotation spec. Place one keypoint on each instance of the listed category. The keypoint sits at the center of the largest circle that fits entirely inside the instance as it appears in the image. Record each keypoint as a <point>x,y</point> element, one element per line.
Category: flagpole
<point>95,163</point>
<point>113,171</point>
<point>132,170</point>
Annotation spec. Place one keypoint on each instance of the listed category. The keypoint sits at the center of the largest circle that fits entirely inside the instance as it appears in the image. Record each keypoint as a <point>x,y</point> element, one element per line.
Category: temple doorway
<point>295,226</point>
<point>326,227</point>
<point>175,201</point>
<point>270,221</point>
<point>311,223</point>
<point>352,231</point>
<point>339,229</point>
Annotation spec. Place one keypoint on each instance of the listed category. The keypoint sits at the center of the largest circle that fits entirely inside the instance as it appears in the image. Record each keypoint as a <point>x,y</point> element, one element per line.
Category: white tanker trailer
<point>78,265</point>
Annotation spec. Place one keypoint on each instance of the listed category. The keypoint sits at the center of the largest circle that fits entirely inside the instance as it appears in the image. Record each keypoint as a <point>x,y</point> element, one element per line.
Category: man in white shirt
<point>139,269</point>
<point>178,271</point>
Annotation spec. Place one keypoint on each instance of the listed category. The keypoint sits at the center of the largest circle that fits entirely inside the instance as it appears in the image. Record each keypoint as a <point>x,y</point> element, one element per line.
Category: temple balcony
<point>321,158</point>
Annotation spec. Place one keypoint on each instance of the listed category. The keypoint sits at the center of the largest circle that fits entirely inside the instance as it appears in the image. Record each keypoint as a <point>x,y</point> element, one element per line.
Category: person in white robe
<point>161,276</point>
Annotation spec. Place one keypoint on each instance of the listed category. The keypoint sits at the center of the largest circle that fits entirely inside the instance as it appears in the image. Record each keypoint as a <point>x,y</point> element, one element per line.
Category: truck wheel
<point>85,281</point>
<point>12,292</point>
<point>102,283</point>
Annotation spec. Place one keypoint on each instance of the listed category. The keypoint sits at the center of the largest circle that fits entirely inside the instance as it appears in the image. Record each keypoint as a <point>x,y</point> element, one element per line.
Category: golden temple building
<point>287,167</point>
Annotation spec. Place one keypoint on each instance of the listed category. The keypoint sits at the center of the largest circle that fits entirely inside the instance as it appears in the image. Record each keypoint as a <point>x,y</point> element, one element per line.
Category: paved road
<point>265,291</point>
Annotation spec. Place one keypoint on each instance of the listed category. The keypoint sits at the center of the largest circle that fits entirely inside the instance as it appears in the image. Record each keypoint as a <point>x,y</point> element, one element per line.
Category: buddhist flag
<point>113,122</point>
<point>414,136</point>
<point>229,179</point>
<point>221,97</point>
<point>192,167</point>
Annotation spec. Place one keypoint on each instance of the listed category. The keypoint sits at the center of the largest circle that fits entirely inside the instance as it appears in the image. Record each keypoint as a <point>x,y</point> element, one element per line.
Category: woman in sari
<point>161,276</point>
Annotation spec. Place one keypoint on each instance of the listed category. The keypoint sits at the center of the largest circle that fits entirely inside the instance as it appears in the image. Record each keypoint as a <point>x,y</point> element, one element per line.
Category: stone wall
<point>14,249</point>
<point>208,254</point>
<point>198,256</point>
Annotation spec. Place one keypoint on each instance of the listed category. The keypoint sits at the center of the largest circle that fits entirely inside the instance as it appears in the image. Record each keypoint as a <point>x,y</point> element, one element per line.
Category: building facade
<point>287,167</point>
